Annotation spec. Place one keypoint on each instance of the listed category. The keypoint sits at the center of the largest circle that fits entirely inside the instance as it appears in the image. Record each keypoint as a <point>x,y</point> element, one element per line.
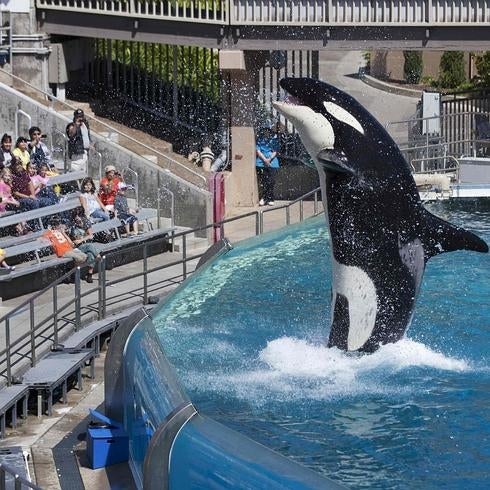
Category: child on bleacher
<point>40,180</point>
<point>62,244</point>
<point>7,201</point>
<point>3,263</point>
<point>122,211</point>
<point>5,150</point>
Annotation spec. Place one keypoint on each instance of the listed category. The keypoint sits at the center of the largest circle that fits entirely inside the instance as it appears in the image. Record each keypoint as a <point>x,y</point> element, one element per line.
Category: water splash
<point>291,369</point>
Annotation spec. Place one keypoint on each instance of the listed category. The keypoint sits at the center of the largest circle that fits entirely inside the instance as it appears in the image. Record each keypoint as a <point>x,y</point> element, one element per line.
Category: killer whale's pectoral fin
<point>441,236</point>
<point>335,161</point>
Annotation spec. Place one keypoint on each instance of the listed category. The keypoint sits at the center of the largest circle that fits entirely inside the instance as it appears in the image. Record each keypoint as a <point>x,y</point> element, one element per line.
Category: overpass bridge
<point>276,24</point>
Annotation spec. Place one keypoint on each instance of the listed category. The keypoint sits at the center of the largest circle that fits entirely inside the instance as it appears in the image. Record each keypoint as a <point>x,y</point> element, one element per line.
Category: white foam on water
<point>301,358</point>
<point>295,369</point>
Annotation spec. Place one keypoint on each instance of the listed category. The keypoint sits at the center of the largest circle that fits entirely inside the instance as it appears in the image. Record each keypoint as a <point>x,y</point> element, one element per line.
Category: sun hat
<point>122,186</point>
<point>78,112</point>
<point>2,253</point>
<point>109,168</point>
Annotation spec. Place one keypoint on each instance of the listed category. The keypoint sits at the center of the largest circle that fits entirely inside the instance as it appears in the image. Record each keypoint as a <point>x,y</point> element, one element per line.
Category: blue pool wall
<point>203,453</point>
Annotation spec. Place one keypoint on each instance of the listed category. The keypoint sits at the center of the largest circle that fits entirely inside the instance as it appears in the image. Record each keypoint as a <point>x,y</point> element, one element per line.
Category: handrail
<point>29,345</point>
<point>51,98</point>
<point>19,481</point>
<point>20,112</point>
<point>130,171</point>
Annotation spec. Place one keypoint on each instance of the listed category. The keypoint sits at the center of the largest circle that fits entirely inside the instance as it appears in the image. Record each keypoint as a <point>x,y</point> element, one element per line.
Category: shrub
<point>451,69</point>
<point>412,67</point>
<point>483,66</point>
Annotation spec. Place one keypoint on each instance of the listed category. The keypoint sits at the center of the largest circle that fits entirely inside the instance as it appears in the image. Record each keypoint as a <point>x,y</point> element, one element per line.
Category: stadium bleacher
<point>33,256</point>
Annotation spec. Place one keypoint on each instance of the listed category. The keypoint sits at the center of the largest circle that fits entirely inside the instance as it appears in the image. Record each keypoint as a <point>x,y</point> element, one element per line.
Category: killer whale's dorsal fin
<point>441,236</point>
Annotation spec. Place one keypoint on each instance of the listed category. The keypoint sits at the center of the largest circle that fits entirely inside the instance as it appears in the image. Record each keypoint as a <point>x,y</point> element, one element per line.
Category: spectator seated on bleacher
<point>7,200</point>
<point>108,187</point>
<point>80,233</point>
<point>63,246</point>
<point>21,151</point>
<point>39,152</point>
<point>5,150</point>
<point>5,268</point>
<point>123,212</point>
<point>23,188</point>
<point>91,203</point>
<point>40,179</point>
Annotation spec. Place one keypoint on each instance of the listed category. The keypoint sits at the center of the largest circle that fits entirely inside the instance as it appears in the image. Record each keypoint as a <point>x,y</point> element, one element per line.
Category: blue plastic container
<point>107,444</point>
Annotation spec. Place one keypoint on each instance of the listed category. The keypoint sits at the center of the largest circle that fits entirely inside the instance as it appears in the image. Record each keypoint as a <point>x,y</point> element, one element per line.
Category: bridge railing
<point>288,12</point>
<point>199,11</point>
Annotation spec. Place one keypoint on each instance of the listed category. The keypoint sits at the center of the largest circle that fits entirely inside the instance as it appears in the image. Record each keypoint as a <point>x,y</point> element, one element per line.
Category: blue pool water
<point>247,334</point>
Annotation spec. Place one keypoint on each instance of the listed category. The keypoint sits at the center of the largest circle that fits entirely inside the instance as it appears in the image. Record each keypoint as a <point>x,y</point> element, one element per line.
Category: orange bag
<point>60,244</point>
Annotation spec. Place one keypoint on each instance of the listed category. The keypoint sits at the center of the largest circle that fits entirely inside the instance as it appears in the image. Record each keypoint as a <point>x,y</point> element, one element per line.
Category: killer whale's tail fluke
<point>441,236</point>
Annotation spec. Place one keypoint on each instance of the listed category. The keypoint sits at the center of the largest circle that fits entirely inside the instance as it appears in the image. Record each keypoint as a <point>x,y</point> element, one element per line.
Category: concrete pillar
<point>241,80</point>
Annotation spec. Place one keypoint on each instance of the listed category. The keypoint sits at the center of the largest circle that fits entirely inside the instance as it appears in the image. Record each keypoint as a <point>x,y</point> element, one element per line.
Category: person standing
<point>78,133</point>
<point>266,164</point>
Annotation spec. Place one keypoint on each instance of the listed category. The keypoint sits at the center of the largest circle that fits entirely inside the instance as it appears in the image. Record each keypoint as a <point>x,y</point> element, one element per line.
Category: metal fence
<point>457,136</point>
<point>31,329</point>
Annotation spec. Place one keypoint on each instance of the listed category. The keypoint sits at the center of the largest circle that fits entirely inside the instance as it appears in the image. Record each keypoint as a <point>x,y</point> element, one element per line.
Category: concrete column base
<point>241,185</point>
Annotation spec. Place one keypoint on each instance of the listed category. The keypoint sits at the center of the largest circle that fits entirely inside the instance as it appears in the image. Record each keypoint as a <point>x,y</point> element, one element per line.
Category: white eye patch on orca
<point>343,116</point>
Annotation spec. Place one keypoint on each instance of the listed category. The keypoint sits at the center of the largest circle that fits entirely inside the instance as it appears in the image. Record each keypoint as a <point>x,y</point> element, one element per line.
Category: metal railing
<point>287,12</point>
<point>454,134</point>
<point>49,316</point>
<point>19,482</point>
<point>51,100</point>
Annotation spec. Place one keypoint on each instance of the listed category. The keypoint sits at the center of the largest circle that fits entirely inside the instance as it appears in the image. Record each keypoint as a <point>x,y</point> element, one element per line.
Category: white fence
<point>290,12</point>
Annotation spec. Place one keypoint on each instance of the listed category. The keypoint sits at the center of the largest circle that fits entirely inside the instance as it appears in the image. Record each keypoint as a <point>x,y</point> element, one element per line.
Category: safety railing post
<point>184,256</point>
<point>101,289</point>
<point>7,351</point>
<point>103,280</point>
<point>261,222</point>
<point>78,299</point>
<point>145,274</point>
<point>288,215</point>
<point>55,315</point>
<point>32,332</point>
<point>315,203</point>
<point>301,210</point>
<point>257,224</point>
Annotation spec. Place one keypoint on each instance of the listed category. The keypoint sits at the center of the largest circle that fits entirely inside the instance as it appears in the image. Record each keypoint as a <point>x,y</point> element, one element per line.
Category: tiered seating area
<point>32,254</point>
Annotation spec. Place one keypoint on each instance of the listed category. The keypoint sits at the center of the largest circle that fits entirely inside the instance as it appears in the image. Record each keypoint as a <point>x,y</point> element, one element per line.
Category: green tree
<point>451,69</point>
<point>412,67</point>
<point>483,66</point>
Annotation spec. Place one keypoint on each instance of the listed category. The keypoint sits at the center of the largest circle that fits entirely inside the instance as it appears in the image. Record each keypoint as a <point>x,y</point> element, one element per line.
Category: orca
<point>381,234</point>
